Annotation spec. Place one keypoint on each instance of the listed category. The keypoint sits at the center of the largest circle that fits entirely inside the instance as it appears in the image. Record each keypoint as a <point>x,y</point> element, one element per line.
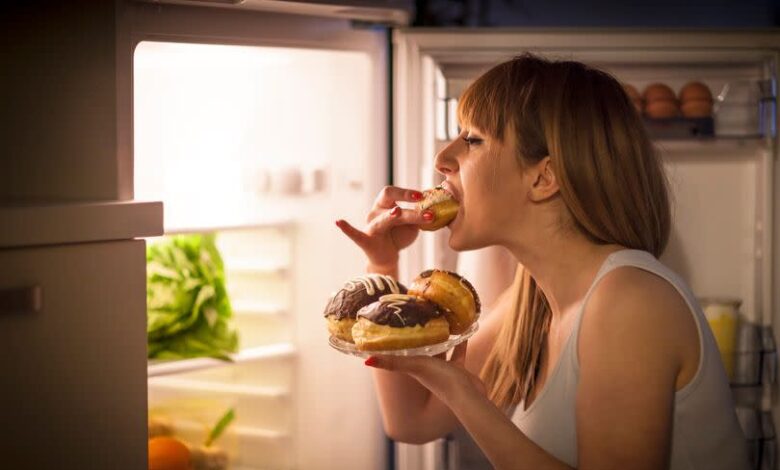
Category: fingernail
<point>396,211</point>
<point>417,195</point>
<point>338,223</point>
<point>371,361</point>
<point>428,216</point>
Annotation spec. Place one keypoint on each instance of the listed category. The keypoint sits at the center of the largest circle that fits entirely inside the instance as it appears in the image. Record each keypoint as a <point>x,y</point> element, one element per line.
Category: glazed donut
<point>443,206</point>
<point>453,293</point>
<point>358,292</point>
<point>398,321</point>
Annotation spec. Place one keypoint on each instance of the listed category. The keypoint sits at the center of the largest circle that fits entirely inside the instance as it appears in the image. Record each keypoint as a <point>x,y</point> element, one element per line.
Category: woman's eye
<point>472,140</point>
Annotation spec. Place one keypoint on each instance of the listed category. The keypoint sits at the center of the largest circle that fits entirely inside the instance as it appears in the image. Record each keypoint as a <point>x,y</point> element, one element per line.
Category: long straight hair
<point>611,182</point>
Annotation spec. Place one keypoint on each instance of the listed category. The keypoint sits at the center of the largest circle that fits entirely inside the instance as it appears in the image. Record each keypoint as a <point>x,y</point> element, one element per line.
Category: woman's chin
<point>460,241</point>
<point>464,239</point>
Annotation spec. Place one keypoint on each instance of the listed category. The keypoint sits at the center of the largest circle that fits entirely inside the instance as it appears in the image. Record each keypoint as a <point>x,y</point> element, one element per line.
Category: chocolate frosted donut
<point>399,321</point>
<point>358,292</point>
<point>453,293</point>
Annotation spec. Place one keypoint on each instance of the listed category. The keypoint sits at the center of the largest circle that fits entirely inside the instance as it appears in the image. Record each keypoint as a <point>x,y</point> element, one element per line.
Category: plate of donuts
<point>374,314</point>
<point>429,350</point>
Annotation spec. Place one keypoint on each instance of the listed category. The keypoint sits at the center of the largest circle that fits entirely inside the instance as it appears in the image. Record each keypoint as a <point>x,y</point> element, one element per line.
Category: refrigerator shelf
<point>748,145</point>
<point>236,430</point>
<point>177,383</point>
<point>249,308</point>
<point>255,267</point>
<point>281,223</point>
<point>157,369</point>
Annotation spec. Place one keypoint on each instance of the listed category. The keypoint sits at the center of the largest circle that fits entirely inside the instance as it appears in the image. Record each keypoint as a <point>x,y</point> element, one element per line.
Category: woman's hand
<point>390,228</point>
<point>445,379</point>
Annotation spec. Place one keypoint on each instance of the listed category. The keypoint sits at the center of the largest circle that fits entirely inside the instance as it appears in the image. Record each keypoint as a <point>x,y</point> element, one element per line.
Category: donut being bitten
<point>443,206</point>
<point>341,311</point>
<point>398,321</point>
<point>453,293</point>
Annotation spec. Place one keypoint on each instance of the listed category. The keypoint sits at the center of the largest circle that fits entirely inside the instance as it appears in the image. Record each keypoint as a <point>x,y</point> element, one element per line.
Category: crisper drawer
<point>74,366</point>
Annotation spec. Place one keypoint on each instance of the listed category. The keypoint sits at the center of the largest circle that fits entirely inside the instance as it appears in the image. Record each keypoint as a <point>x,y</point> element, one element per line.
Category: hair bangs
<point>486,104</point>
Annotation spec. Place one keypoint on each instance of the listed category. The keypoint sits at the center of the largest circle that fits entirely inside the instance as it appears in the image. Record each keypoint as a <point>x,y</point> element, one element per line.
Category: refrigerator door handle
<point>21,300</point>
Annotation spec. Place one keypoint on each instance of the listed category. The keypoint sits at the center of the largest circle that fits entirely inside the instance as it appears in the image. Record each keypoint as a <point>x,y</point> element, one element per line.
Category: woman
<point>598,357</point>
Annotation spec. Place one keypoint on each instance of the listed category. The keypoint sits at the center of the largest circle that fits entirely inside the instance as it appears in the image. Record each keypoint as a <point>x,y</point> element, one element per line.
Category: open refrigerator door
<point>257,131</point>
<point>721,166</point>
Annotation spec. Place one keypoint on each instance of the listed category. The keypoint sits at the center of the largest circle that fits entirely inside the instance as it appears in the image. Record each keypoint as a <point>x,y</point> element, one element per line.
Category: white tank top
<point>706,434</point>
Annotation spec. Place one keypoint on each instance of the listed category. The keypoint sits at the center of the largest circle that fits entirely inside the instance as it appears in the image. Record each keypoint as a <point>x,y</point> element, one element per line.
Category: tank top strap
<point>617,259</point>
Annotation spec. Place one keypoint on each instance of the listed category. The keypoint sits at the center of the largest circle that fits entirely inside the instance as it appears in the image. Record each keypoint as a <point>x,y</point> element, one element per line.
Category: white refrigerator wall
<point>269,146</point>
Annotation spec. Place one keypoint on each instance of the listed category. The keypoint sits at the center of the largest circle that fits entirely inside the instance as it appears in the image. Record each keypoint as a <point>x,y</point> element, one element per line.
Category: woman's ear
<point>545,183</point>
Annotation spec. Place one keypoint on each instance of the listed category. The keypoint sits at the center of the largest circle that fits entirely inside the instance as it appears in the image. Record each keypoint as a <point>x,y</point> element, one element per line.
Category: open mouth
<point>449,192</point>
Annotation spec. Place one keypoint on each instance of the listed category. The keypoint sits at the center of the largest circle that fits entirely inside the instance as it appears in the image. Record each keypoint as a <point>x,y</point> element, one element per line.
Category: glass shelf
<point>179,383</point>
<point>713,145</point>
<point>160,368</point>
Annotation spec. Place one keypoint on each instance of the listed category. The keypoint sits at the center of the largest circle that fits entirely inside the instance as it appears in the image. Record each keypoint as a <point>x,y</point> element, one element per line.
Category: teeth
<point>435,198</point>
<point>447,192</point>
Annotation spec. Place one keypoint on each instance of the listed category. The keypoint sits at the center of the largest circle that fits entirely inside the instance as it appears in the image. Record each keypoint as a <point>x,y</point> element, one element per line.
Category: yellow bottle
<point>723,317</point>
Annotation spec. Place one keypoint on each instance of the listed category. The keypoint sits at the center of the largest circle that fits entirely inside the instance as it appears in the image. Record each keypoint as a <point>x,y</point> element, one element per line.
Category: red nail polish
<point>416,195</point>
<point>396,211</point>
<point>371,361</point>
<point>428,216</point>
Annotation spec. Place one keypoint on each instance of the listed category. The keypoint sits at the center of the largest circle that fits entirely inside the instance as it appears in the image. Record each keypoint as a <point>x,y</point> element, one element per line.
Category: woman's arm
<point>458,390</point>
<point>637,341</point>
<point>409,411</point>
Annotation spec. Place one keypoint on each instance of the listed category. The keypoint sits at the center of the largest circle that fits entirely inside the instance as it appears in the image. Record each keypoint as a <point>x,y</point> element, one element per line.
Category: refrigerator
<point>263,122</point>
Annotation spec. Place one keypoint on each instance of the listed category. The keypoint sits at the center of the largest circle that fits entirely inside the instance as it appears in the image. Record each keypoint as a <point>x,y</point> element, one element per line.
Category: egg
<point>697,108</point>
<point>634,95</point>
<point>659,92</point>
<point>168,453</point>
<point>695,91</point>
<point>662,109</point>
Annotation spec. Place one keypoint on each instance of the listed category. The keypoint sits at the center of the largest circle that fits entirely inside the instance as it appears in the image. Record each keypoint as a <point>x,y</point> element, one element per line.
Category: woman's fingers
<point>459,353</point>
<point>360,238</point>
<point>406,364</point>
<point>389,195</point>
<point>397,216</point>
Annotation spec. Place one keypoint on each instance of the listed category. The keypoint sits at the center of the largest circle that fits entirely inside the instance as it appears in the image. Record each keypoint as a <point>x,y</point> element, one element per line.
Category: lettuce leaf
<point>188,310</point>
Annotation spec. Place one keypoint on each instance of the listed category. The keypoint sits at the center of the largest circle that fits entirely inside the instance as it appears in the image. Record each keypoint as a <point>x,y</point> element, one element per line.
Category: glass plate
<point>430,350</point>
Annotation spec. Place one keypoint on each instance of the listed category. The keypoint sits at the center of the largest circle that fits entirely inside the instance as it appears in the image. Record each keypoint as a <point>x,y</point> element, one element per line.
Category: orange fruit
<point>168,453</point>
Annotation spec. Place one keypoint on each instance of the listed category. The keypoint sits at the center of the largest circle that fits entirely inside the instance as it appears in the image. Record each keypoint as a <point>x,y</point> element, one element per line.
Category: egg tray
<point>680,127</point>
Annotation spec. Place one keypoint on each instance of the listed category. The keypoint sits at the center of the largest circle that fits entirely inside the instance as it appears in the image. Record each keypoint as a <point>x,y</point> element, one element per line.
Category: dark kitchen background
<point>603,13</point>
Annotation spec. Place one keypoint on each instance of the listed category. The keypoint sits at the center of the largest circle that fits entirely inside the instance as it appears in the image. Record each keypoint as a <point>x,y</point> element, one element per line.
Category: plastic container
<point>740,108</point>
<point>722,314</point>
<point>747,358</point>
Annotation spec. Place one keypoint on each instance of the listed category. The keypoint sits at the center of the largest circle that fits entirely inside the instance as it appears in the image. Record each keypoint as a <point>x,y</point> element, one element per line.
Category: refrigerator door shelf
<point>728,147</point>
<point>155,369</point>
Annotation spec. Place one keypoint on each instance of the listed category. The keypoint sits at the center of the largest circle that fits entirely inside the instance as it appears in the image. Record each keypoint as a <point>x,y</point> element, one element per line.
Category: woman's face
<point>485,176</point>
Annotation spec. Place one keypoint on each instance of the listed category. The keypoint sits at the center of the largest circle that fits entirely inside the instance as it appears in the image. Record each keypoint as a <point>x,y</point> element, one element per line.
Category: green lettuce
<point>188,310</point>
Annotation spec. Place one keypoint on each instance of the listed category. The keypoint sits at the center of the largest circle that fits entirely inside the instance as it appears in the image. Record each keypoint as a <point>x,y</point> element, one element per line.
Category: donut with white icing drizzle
<point>398,321</point>
<point>342,307</point>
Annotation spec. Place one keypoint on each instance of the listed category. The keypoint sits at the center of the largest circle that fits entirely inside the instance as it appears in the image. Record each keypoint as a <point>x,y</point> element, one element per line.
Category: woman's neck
<point>564,266</point>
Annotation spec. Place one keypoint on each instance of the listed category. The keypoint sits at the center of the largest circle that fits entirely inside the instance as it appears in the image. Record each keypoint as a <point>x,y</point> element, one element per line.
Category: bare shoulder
<point>631,308</point>
<point>640,290</point>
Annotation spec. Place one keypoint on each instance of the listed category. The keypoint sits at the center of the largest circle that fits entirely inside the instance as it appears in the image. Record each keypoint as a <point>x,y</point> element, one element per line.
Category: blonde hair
<point>611,182</point>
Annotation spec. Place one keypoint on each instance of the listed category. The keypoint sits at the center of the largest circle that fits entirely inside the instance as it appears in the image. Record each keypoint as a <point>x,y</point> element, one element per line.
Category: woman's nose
<point>445,161</point>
